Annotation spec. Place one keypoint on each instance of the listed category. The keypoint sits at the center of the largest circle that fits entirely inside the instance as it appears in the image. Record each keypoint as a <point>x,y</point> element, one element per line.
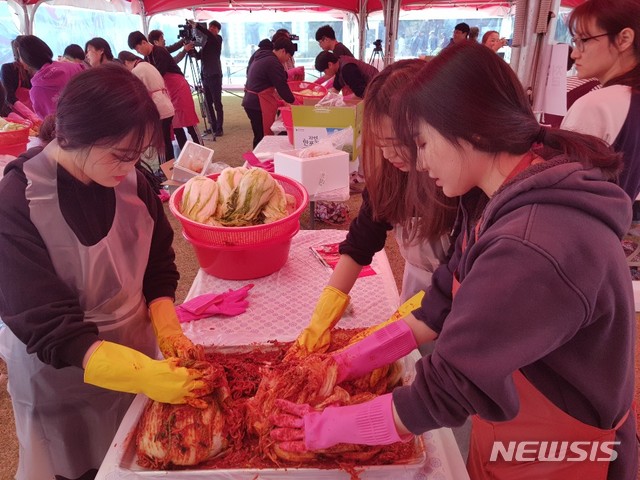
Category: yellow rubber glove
<point>317,335</point>
<point>403,310</point>
<point>124,369</point>
<point>171,340</point>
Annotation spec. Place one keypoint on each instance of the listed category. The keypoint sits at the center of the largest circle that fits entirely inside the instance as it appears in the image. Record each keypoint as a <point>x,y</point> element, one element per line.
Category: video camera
<point>185,32</point>
<point>189,34</point>
<point>293,37</point>
<point>378,45</point>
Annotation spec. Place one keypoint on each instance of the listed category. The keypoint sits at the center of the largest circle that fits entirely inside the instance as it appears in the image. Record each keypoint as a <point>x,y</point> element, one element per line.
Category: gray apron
<point>421,259</point>
<point>65,426</point>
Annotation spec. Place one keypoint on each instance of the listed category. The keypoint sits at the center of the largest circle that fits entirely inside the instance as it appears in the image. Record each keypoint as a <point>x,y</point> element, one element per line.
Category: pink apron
<point>180,94</point>
<point>22,93</point>
<point>269,102</point>
<point>65,426</point>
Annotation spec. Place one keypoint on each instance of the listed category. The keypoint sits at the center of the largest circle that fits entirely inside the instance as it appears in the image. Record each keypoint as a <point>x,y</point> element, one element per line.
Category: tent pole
<point>23,15</point>
<point>30,15</point>
<point>391,13</point>
<point>144,19</point>
<point>362,28</point>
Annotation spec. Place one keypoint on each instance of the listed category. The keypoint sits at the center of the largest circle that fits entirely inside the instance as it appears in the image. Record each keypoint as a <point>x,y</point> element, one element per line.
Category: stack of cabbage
<point>7,126</point>
<point>240,197</point>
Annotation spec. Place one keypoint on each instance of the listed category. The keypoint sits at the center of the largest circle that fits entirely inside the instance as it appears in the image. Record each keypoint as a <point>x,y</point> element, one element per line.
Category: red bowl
<point>242,253</point>
<point>243,262</point>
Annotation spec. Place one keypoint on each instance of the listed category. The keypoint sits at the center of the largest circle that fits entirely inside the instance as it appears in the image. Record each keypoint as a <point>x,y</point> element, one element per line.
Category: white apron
<point>421,259</point>
<point>65,426</point>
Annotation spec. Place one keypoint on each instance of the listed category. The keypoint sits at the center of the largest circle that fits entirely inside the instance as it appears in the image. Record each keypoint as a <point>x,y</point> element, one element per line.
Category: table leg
<point>312,216</point>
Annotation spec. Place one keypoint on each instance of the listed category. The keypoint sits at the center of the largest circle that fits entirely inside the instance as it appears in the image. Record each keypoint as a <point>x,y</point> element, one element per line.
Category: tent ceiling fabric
<point>159,6</point>
<point>156,6</point>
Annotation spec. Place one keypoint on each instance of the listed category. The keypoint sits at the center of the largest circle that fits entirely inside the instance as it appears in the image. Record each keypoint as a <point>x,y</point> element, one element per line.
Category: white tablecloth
<point>280,305</point>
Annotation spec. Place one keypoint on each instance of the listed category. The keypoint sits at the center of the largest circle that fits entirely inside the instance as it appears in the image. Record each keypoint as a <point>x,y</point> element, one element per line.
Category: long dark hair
<point>101,106</point>
<point>100,43</point>
<point>612,17</point>
<point>434,213</point>
<point>34,51</point>
<point>469,93</point>
<point>126,56</point>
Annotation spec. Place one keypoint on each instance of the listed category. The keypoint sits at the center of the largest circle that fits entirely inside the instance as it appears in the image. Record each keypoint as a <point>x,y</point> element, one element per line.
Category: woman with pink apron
<point>538,420</point>
<point>534,312</point>
<point>267,87</point>
<point>16,79</point>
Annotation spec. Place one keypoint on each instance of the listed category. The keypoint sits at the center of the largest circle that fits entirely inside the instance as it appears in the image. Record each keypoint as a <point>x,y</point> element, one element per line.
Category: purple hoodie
<point>47,84</point>
<point>545,289</point>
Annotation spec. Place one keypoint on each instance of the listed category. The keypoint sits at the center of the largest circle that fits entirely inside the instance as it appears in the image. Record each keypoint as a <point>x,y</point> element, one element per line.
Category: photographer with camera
<point>351,75</point>
<point>156,37</point>
<point>211,73</point>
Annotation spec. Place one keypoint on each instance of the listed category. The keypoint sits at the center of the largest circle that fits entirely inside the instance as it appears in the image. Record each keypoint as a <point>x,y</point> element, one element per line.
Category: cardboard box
<point>318,174</point>
<point>312,124</point>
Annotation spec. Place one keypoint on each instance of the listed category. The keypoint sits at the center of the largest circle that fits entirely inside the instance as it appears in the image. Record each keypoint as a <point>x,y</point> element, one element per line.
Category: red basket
<point>297,87</point>
<point>242,262</point>
<point>287,119</point>
<point>287,116</point>
<point>241,253</point>
<point>14,142</point>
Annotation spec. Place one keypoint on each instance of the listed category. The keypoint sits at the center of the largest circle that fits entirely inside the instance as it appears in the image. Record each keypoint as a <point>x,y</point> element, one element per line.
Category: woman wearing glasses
<point>607,46</point>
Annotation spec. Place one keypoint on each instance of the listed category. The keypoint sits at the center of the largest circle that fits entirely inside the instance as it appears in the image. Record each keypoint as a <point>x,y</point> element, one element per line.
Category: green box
<point>311,124</point>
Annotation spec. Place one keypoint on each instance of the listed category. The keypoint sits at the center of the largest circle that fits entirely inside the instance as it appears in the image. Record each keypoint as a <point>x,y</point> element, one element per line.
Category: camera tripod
<point>192,64</point>
<point>376,56</point>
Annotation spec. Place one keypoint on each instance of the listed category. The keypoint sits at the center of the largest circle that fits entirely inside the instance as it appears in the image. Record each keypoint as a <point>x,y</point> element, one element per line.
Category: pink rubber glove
<point>24,111</point>
<point>377,350</point>
<point>14,117</point>
<point>230,303</point>
<point>254,161</point>
<point>301,428</point>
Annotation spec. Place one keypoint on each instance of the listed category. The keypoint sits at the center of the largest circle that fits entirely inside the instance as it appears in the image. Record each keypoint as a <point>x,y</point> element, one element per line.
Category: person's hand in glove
<point>382,347</point>
<point>316,336</point>
<point>300,428</point>
<point>120,368</point>
<point>171,340</point>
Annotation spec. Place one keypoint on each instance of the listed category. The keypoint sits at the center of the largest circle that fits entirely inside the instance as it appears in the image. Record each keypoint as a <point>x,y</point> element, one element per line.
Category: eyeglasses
<point>578,43</point>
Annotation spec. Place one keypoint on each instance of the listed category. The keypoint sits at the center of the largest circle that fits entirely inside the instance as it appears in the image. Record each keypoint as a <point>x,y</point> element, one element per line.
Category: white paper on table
<point>551,94</point>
